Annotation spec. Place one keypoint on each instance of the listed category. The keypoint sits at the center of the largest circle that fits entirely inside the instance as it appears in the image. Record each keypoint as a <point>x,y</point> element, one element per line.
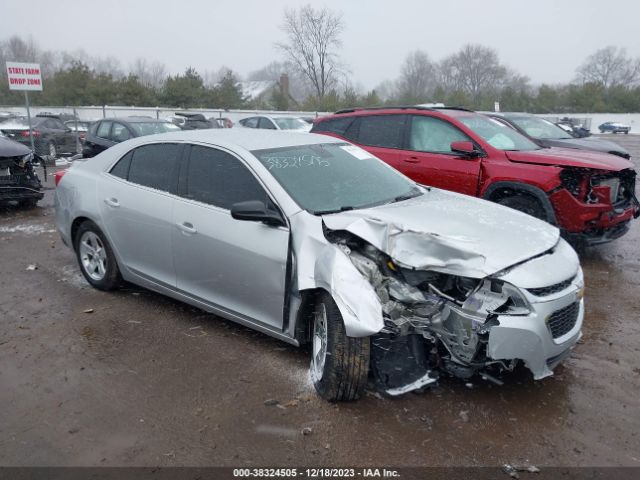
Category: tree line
<point>317,79</point>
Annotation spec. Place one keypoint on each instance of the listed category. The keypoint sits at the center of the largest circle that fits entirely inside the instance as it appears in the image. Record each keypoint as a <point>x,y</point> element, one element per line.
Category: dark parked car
<point>547,134</point>
<point>109,132</point>
<point>18,181</point>
<point>614,127</point>
<point>590,196</point>
<point>50,136</point>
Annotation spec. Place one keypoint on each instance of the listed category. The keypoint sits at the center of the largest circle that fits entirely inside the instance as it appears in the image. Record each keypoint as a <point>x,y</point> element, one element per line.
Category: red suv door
<point>429,160</point>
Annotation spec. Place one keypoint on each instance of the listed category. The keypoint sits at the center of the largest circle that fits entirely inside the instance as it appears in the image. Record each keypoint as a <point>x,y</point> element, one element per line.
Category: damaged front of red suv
<point>595,199</point>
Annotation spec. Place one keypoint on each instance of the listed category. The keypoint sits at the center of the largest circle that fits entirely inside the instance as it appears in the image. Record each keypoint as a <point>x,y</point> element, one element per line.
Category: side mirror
<point>256,211</point>
<point>465,148</point>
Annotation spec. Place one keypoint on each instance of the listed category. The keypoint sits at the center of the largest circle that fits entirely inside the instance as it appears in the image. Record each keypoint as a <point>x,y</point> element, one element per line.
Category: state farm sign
<point>24,76</point>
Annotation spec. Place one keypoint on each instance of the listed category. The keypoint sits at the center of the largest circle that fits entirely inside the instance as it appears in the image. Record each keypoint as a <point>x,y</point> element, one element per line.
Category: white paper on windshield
<point>357,152</point>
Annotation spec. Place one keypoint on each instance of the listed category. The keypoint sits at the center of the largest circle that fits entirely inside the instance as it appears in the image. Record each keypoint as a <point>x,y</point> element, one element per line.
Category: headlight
<point>496,296</point>
<point>614,187</point>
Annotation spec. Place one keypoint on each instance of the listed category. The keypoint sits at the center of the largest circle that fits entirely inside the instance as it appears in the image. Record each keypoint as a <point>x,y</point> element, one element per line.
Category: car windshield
<point>497,134</point>
<point>290,123</point>
<point>330,177</point>
<point>150,128</point>
<point>540,128</point>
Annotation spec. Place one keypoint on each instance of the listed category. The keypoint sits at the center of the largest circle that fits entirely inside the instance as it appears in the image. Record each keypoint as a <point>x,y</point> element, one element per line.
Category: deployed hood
<point>588,143</point>
<point>9,148</point>
<point>450,233</point>
<point>569,157</point>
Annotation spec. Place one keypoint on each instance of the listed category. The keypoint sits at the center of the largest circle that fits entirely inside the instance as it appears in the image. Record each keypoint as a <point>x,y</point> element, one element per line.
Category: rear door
<point>136,203</point>
<point>239,266</point>
<point>430,161</point>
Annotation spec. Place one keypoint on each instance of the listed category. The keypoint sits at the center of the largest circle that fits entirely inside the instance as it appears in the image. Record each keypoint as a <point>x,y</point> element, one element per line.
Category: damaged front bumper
<point>436,322</point>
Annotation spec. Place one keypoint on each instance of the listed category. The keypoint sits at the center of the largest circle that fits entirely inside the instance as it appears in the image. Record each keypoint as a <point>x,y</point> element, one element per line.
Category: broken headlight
<point>497,297</point>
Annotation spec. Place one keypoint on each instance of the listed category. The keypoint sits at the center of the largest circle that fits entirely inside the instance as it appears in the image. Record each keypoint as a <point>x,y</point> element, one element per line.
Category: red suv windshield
<point>497,134</point>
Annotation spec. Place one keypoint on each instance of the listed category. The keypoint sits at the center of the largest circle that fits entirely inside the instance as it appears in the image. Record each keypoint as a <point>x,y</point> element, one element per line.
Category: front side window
<point>249,122</point>
<point>290,123</point>
<point>430,134</point>
<point>120,133</point>
<point>497,134</point>
<point>151,128</point>
<point>103,130</point>
<point>328,177</point>
<point>154,165</point>
<point>266,124</point>
<point>382,130</point>
<point>218,178</point>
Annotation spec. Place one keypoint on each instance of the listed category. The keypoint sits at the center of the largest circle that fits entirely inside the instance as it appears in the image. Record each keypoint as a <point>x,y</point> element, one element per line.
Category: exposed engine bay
<point>433,322</point>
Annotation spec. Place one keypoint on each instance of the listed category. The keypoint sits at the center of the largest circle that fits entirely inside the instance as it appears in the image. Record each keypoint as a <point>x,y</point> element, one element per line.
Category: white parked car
<point>310,239</point>
<point>275,123</point>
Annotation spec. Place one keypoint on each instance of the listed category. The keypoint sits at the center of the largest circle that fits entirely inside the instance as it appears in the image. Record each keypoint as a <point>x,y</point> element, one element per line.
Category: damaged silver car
<point>313,240</point>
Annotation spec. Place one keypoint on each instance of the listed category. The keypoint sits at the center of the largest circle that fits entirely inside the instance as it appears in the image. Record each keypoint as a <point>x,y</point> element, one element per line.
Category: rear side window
<point>103,130</point>
<point>121,169</point>
<point>429,134</point>
<point>335,125</point>
<point>154,165</point>
<point>218,178</point>
<point>382,130</point>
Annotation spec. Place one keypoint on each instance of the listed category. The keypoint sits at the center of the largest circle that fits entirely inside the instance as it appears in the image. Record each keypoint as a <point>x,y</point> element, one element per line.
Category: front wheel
<point>526,204</point>
<point>339,364</point>
<point>95,257</point>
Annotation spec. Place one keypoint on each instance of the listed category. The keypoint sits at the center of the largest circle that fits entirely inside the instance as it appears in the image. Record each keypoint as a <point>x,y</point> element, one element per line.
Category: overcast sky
<point>544,39</point>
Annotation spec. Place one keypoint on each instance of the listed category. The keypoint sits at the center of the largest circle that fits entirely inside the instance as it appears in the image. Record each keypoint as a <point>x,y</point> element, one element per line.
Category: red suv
<point>590,196</point>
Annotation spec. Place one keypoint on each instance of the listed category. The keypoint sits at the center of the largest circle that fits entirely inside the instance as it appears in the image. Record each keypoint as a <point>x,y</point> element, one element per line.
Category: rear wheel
<point>339,364</point>
<point>526,204</point>
<point>95,257</point>
<point>29,203</point>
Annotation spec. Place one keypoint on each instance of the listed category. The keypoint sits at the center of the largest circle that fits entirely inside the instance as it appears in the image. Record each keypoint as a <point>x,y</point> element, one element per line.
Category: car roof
<point>136,120</point>
<point>248,139</point>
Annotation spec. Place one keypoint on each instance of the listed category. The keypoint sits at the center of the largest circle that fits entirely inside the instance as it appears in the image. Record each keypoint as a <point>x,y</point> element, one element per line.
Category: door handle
<point>187,227</point>
<point>412,160</point>
<point>112,202</point>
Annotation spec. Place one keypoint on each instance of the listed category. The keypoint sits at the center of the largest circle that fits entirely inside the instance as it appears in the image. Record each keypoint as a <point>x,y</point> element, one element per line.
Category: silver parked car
<point>311,239</point>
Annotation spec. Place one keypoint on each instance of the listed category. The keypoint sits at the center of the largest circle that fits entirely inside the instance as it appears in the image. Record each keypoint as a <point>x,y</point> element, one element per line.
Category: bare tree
<point>150,74</point>
<point>417,78</point>
<point>610,67</point>
<point>313,38</point>
<point>475,69</point>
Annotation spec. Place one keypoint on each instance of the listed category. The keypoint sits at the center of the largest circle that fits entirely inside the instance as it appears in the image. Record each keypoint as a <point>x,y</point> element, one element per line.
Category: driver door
<point>430,161</point>
<point>236,265</point>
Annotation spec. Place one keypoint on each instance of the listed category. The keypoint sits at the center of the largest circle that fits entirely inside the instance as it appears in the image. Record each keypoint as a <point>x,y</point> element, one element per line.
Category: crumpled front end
<point>18,180</point>
<point>436,321</point>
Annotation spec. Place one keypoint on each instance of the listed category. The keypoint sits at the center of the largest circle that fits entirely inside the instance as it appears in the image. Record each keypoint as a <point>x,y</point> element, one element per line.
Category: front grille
<point>551,289</point>
<point>562,321</point>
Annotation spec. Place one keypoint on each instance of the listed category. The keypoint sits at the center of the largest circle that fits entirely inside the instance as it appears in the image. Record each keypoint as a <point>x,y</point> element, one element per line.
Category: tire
<point>52,151</point>
<point>526,204</point>
<point>95,257</point>
<point>339,373</point>
<point>29,203</point>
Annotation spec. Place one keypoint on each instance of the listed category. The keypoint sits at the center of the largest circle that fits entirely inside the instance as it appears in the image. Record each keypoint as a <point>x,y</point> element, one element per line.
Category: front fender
<point>356,299</point>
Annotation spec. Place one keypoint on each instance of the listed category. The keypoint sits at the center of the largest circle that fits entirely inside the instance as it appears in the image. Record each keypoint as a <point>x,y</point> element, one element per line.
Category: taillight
<point>58,176</point>
<point>36,133</point>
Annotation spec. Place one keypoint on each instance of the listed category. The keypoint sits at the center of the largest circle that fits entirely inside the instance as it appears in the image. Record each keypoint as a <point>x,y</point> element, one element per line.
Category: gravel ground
<point>133,378</point>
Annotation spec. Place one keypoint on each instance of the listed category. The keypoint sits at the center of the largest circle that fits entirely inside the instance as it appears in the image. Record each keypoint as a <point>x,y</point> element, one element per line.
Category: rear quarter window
<point>334,125</point>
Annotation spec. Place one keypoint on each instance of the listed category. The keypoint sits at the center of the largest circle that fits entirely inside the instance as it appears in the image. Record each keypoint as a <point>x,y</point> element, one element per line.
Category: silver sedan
<point>313,240</point>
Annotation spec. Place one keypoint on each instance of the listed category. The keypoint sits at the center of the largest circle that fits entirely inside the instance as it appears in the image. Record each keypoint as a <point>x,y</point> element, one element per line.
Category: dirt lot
<point>144,380</point>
